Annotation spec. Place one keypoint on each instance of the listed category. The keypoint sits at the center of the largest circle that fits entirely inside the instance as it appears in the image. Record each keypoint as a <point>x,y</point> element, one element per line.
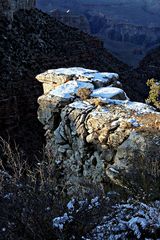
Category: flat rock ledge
<point>96,135</point>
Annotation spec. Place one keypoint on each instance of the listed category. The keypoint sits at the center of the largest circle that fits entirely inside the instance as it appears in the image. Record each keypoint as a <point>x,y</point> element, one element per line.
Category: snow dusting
<point>59,222</point>
<point>125,220</point>
<point>140,108</point>
<point>133,122</point>
<point>113,170</point>
<point>80,105</point>
<point>70,205</point>
<point>129,220</point>
<point>99,111</point>
<point>78,71</point>
<point>84,74</point>
<point>100,77</point>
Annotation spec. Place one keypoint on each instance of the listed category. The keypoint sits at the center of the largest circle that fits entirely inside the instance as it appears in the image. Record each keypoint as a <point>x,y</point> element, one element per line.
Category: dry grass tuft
<point>84,93</point>
<point>97,102</point>
<point>149,122</point>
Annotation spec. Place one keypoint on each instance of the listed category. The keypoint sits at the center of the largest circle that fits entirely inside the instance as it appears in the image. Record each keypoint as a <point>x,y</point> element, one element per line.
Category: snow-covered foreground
<point>124,220</point>
<point>130,221</point>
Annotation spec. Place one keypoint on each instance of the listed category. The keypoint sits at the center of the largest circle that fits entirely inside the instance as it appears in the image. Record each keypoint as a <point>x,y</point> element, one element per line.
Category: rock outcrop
<point>33,43</point>
<point>96,134</point>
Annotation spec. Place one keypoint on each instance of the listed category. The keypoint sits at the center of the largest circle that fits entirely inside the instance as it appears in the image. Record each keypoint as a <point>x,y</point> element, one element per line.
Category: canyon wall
<point>127,41</point>
<point>127,35</point>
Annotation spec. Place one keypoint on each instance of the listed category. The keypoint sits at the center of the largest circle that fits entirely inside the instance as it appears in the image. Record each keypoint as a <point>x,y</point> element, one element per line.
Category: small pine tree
<point>154,93</point>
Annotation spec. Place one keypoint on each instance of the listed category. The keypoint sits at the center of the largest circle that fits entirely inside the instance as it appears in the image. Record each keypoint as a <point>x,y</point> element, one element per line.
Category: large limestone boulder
<point>103,139</point>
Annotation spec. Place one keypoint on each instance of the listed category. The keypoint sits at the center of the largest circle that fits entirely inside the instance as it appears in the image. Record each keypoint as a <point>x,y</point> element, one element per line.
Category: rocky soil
<point>96,134</point>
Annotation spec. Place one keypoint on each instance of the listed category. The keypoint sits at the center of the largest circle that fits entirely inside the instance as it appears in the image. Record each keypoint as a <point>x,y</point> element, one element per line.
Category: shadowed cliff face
<point>8,7</point>
<point>136,79</point>
<point>34,43</point>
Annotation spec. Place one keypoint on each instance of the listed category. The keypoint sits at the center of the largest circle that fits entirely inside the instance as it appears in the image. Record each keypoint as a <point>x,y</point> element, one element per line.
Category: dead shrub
<point>30,200</point>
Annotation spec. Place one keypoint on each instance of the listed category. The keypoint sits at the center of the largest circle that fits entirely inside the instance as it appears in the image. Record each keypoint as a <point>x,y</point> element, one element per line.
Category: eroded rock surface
<point>101,138</point>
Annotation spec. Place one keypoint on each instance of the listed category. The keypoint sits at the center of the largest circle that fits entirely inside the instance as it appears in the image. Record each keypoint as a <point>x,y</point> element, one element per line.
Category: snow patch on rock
<point>140,108</point>
<point>80,105</point>
<point>107,92</point>
<point>78,71</point>
<point>134,122</point>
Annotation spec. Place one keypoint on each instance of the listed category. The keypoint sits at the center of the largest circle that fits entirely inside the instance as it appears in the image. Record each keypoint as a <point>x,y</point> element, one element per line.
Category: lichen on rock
<point>110,141</point>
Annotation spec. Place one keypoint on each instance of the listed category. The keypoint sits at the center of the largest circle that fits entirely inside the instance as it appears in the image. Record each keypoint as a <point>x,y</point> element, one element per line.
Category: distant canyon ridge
<point>129,29</point>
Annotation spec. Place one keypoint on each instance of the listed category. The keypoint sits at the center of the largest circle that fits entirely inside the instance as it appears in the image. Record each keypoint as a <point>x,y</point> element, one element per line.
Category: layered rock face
<point>96,135</point>
<point>128,41</point>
